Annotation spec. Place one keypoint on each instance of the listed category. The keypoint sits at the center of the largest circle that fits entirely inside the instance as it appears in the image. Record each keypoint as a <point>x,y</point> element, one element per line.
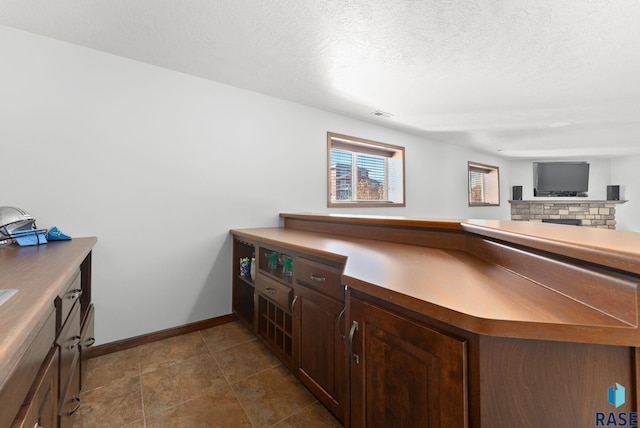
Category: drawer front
<point>69,344</point>
<point>280,294</point>
<point>66,300</point>
<point>323,278</point>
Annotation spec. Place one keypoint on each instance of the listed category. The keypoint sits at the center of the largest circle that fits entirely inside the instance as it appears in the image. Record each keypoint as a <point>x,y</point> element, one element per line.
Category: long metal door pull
<point>352,332</point>
<point>342,336</point>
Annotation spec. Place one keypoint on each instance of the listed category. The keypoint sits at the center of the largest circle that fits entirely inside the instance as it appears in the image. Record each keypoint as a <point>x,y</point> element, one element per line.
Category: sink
<point>6,294</point>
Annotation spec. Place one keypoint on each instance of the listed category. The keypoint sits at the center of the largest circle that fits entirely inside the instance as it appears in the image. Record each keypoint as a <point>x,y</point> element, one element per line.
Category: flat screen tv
<point>560,178</point>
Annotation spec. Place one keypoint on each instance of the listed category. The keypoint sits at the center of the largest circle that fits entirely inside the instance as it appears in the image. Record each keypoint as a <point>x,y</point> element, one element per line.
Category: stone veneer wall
<point>600,214</point>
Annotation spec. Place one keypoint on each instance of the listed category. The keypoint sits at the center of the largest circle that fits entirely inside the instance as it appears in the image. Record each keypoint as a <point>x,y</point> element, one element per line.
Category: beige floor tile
<point>219,377</point>
<point>226,335</point>
<point>170,351</point>
<point>245,359</point>
<point>110,368</point>
<point>114,405</point>
<point>271,396</point>
<point>168,386</point>
<point>314,416</point>
<point>219,408</point>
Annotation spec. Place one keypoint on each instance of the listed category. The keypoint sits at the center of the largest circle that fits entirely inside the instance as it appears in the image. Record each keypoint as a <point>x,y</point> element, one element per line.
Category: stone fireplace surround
<point>591,213</point>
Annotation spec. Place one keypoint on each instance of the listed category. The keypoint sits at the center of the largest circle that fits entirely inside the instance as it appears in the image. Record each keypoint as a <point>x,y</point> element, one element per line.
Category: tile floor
<point>219,377</point>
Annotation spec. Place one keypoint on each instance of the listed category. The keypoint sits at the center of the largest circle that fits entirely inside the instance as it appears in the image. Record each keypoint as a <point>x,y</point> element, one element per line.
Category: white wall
<point>624,172</point>
<point>160,165</point>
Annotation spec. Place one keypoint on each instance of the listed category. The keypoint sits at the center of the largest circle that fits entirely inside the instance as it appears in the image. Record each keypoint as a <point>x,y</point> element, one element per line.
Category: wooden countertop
<point>612,248</point>
<point>39,273</point>
<point>379,220</point>
<point>466,291</point>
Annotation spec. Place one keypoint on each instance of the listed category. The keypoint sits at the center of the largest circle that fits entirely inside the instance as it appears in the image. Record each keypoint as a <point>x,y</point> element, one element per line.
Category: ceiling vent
<point>381,113</point>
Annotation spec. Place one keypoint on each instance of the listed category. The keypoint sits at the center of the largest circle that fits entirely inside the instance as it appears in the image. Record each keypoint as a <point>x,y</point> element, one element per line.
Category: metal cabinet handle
<point>74,294</point>
<point>342,336</point>
<point>76,342</point>
<point>270,290</point>
<point>76,399</point>
<point>293,304</point>
<point>352,332</point>
<point>317,278</point>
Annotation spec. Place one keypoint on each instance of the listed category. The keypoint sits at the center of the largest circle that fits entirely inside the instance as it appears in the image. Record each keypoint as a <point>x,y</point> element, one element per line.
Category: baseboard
<point>132,342</point>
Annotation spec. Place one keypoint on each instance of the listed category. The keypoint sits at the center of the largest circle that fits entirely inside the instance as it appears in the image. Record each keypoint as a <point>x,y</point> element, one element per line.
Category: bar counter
<point>498,278</point>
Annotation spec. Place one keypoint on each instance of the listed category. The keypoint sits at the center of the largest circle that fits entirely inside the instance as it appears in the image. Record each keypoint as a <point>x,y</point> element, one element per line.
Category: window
<point>364,173</point>
<point>484,185</point>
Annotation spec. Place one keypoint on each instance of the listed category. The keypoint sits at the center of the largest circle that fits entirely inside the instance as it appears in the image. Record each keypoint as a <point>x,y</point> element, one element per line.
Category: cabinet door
<point>70,401</point>
<point>321,354</point>
<point>404,374</point>
<point>87,339</point>
<point>41,406</point>
<point>68,343</point>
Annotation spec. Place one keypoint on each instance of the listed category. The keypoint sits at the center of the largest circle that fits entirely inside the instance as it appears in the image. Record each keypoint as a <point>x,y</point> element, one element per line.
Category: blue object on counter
<point>55,235</point>
<point>32,237</point>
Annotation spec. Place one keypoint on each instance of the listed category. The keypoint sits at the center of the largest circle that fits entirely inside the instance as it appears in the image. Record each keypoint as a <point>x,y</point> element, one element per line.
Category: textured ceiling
<point>520,78</point>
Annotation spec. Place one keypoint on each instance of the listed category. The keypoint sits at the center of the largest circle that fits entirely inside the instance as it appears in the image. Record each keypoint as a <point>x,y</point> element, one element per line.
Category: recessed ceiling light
<point>381,113</point>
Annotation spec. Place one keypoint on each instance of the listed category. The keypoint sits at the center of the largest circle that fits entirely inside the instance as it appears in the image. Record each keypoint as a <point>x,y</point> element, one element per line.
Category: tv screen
<point>560,178</point>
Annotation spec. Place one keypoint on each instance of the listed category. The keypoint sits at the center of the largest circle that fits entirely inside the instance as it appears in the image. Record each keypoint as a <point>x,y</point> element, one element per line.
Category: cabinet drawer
<point>321,277</point>
<point>278,293</point>
<point>69,344</point>
<point>65,300</point>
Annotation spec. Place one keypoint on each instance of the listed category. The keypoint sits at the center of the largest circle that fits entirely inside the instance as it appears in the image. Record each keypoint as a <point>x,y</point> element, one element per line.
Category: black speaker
<point>613,193</point>
<point>517,193</point>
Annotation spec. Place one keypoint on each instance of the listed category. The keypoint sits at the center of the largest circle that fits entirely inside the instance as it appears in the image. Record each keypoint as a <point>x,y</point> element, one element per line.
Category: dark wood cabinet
<point>295,305</point>
<point>320,357</point>
<point>75,325</point>
<point>570,381</point>
<point>87,339</point>
<point>70,400</point>
<point>41,405</point>
<point>68,344</point>
<point>404,373</point>
<point>463,324</point>
<point>44,335</point>
<point>14,393</point>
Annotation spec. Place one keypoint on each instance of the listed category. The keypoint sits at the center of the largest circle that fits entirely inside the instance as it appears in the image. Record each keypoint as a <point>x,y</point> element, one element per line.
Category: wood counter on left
<point>40,274</point>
